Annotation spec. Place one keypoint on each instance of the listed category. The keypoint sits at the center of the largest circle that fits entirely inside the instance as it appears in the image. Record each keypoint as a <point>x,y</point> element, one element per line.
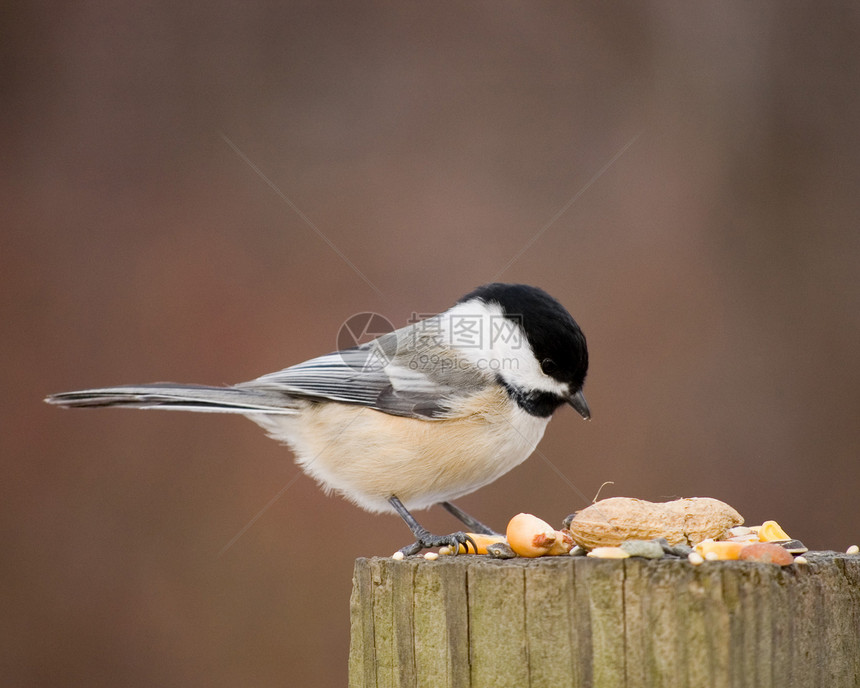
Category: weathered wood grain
<point>572,621</point>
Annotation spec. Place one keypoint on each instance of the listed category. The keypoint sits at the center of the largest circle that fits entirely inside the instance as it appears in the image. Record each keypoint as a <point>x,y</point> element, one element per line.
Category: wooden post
<point>577,621</point>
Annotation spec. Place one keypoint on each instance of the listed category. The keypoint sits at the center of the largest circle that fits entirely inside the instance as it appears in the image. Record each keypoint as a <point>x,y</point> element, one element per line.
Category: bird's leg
<point>472,523</point>
<point>424,539</point>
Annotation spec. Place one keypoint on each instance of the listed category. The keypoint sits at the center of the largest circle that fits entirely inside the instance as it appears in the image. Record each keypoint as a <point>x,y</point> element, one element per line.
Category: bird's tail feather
<point>169,395</point>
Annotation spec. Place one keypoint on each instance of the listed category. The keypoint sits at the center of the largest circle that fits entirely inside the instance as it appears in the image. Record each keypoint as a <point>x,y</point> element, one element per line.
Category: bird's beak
<point>580,404</point>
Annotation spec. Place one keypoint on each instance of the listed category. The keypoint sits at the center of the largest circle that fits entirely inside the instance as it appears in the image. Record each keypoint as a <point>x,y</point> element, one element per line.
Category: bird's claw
<point>453,541</point>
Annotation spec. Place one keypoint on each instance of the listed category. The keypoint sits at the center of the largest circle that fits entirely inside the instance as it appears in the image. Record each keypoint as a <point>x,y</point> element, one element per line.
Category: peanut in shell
<point>610,522</point>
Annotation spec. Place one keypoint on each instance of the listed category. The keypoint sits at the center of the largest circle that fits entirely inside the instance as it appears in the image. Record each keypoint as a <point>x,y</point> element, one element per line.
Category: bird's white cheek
<point>525,374</point>
<point>495,344</point>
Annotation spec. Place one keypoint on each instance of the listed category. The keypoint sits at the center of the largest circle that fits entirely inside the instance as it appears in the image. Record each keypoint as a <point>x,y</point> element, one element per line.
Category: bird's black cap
<point>557,341</point>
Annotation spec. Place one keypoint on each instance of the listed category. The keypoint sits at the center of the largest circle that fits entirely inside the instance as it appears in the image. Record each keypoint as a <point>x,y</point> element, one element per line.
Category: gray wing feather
<point>403,373</point>
<point>170,395</point>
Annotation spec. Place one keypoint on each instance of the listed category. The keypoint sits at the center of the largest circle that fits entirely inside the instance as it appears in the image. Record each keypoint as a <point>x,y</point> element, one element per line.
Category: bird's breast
<point>367,455</point>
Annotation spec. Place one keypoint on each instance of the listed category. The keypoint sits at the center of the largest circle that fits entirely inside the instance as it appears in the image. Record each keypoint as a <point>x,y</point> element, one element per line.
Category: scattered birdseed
<point>501,550</point>
<point>767,553</point>
<point>649,549</point>
<point>793,546</point>
<point>608,553</point>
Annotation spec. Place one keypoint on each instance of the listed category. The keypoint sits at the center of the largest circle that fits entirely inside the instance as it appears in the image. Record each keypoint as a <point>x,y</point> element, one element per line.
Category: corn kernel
<point>481,541</point>
<point>529,536</point>
<point>720,549</point>
<point>771,531</point>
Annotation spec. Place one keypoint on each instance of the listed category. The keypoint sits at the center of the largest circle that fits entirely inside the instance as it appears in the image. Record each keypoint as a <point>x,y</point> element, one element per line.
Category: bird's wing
<point>403,373</point>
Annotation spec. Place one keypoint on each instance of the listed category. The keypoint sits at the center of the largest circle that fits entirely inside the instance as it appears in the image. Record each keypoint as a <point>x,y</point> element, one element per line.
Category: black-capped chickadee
<point>419,416</point>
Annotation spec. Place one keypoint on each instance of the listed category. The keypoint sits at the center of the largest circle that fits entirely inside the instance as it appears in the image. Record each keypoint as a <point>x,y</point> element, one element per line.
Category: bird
<point>416,417</point>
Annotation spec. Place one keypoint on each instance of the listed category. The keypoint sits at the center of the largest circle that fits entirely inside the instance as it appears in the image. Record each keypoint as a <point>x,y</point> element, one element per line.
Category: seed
<point>398,555</point>
<point>678,550</point>
<point>695,558</point>
<point>794,546</point>
<point>853,549</point>
<point>481,540</point>
<point>767,553</point>
<point>742,534</point>
<point>431,556</point>
<point>770,531</point>
<point>501,550</point>
<point>713,550</point>
<point>563,543</point>
<point>529,536</point>
<point>801,560</point>
<point>649,549</point>
<point>608,553</point>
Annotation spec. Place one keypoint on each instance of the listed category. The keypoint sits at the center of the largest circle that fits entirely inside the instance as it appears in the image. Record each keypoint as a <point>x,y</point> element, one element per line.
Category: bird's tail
<point>169,395</point>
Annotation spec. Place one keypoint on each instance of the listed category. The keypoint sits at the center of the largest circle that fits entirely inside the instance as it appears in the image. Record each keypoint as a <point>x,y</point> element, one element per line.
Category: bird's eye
<point>548,366</point>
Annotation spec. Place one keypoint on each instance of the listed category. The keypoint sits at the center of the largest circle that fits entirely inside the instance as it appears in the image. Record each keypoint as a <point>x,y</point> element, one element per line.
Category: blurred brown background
<point>713,267</point>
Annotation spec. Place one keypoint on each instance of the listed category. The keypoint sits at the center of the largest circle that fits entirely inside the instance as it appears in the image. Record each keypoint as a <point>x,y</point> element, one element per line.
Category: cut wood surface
<point>577,621</point>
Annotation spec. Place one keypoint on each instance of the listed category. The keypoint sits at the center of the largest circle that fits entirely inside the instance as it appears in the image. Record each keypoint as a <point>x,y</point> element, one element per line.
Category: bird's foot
<point>426,540</point>
<point>472,523</point>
